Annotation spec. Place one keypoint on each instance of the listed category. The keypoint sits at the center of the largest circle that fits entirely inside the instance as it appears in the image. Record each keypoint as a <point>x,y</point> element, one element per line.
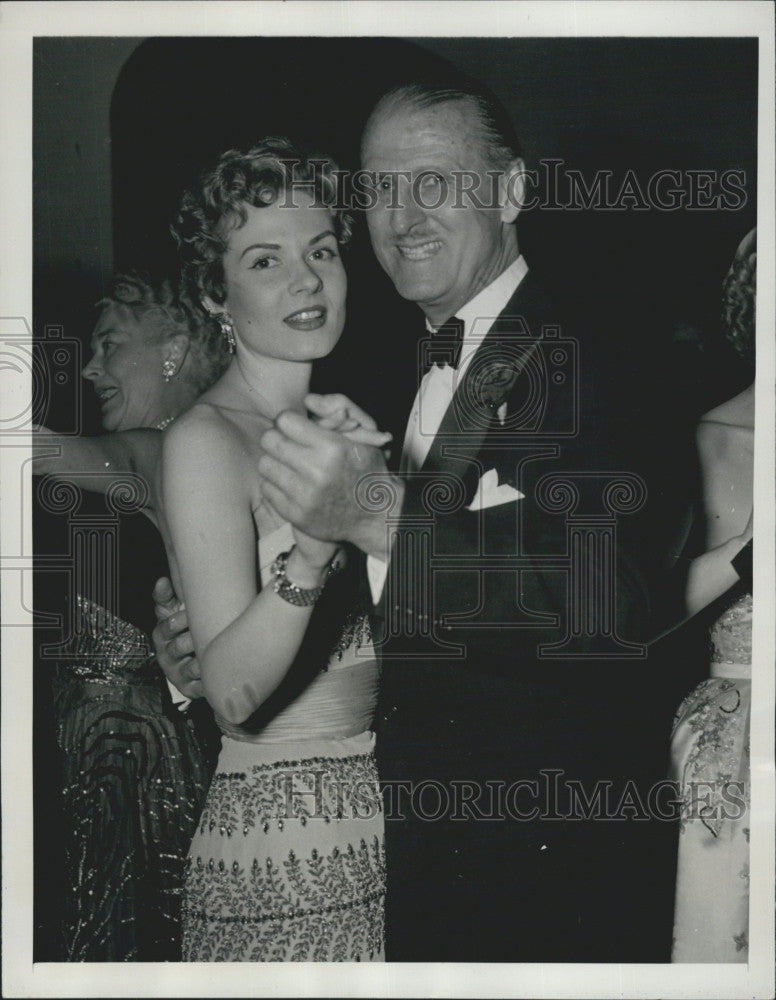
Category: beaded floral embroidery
<point>324,907</point>
<point>319,787</point>
<point>714,769</point>
<point>717,716</point>
<point>356,633</point>
<point>730,638</point>
<point>271,894</point>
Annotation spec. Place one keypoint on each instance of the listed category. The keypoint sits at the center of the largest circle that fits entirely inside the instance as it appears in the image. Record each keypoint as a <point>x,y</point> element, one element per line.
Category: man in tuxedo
<point>509,728</point>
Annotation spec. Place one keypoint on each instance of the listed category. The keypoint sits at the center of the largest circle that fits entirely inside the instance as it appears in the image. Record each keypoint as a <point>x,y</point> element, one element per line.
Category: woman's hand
<point>336,412</point>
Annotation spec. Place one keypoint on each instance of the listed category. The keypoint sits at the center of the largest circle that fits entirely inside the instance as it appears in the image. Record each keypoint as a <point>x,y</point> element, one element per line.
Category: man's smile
<point>419,251</point>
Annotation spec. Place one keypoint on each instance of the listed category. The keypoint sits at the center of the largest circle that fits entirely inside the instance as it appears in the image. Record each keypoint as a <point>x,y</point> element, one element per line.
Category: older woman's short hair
<point>160,305</point>
<point>739,294</point>
<point>257,177</point>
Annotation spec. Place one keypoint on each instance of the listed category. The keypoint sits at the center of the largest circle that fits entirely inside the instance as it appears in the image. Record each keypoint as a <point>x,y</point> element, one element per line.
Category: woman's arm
<point>713,573</point>
<point>726,521</point>
<point>94,463</point>
<point>726,477</point>
<point>245,639</point>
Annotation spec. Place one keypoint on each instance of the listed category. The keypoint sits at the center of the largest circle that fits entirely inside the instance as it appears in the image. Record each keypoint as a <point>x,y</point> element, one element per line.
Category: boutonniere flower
<point>494,381</point>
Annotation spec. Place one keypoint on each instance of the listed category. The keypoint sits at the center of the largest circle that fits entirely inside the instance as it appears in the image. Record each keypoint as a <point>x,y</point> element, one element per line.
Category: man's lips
<point>419,251</point>
<point>307,319</point>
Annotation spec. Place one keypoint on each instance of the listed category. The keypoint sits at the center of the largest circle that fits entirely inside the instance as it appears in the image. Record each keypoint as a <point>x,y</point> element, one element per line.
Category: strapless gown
<point>710,761</point>
<point>288,860</point>
<point>134,773</point>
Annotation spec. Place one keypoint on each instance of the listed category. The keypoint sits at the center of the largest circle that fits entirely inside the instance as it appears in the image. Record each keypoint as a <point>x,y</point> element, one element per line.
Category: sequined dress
<point>134,773</point>
<point>710,760</point>
<point>288,861</point>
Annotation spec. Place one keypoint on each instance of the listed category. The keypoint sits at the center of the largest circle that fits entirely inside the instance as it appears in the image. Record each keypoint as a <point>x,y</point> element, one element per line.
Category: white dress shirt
<point>438,385</point>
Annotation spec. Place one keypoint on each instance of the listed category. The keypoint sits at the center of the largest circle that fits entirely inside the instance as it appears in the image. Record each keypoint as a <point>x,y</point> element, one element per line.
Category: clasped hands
<point>310,471</point>
<point>311,468</point>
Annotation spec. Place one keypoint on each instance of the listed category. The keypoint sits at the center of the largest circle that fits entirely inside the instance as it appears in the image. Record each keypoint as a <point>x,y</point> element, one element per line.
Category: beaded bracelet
<point>300,596</point>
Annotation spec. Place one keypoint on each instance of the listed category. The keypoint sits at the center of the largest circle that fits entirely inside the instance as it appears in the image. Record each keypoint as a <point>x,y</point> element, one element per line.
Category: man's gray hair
<point>499,145</point>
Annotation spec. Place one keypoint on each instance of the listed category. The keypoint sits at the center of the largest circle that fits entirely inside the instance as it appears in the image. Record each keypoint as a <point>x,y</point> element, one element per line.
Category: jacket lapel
<point>495,375</point>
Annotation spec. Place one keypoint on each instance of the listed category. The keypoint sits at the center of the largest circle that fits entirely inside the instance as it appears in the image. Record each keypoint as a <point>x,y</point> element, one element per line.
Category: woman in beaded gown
<point>134,771</point>
<point>287,862</point>
<point>710,741</point>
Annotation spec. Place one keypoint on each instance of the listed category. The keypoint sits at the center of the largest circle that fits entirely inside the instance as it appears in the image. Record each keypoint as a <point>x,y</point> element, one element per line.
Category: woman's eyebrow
<point>260,246</point>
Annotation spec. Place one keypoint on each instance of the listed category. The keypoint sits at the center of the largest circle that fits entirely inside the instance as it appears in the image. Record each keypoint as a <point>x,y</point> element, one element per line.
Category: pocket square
<point>491,493</point>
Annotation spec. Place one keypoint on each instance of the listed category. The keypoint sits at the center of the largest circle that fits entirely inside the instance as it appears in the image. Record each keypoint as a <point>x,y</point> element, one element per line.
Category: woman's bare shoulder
<point>736,413</point>
<point>203,418</point>
<point>728,426</point>
<point>202,438</point>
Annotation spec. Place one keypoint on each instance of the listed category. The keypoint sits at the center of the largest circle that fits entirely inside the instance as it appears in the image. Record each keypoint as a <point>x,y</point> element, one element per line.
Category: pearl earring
<point>227,329</point>
<point>168,369</point>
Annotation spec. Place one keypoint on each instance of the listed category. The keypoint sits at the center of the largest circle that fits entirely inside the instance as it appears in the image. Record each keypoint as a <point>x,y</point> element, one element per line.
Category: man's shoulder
<point>535,303</point>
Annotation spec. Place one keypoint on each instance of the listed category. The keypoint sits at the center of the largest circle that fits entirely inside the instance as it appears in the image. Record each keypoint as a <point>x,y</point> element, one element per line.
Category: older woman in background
<point>134,770</point>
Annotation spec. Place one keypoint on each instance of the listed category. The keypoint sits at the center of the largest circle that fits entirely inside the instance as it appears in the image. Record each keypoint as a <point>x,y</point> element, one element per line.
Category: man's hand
<point>336,412</point>
<point>312,475</point>
<point>173,643</point>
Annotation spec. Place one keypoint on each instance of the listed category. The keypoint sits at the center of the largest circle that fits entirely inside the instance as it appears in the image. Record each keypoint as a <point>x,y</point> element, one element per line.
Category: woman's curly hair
<point>170,310</point>
<point>258,177</point>
<point>739,294</point>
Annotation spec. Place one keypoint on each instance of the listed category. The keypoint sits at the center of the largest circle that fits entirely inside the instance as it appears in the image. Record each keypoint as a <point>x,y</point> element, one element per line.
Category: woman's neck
<point>271,385</point>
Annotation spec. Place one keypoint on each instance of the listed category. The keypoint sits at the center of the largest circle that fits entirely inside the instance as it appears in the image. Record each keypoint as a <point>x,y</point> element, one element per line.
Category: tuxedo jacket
<point>514,611</point>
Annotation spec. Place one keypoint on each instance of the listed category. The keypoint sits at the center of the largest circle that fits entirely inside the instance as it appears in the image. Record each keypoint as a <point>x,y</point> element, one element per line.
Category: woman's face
<point>284,279</point>
<point>126,370</point>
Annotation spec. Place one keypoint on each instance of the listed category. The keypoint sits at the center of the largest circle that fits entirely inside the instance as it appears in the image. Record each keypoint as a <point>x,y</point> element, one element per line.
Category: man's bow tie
<point>444,346</point>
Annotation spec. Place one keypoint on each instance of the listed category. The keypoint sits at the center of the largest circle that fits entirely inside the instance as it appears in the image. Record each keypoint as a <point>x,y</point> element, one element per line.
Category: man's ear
<point>511,191</point>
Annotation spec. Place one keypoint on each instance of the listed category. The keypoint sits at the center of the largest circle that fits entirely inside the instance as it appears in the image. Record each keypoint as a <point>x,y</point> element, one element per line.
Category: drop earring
<point>227,329</point>
<point>168,369</point>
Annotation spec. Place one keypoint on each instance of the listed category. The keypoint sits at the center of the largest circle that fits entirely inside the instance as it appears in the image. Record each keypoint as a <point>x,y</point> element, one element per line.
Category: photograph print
<point>392,498</point>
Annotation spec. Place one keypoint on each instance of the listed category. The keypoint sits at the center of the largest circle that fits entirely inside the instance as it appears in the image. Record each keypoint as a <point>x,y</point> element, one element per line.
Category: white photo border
<point>19,24</point>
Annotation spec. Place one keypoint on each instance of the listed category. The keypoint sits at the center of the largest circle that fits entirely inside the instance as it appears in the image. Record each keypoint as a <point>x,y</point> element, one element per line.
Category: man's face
<point>437,253</point>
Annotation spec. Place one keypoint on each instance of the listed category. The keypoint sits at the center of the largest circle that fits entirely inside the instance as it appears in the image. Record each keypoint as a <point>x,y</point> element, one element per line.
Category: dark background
<point>121,125</point>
